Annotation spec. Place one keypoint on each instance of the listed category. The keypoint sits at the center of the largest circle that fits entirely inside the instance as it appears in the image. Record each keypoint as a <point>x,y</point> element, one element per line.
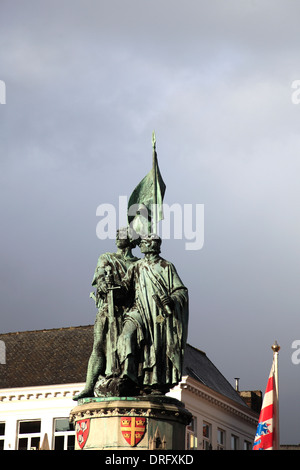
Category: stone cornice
<point>162,408</point>
<point>218,400</point>
<point>39,393</point>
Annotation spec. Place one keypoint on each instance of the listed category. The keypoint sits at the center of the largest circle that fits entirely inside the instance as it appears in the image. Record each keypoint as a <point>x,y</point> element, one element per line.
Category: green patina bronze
<point>145,202</point>
<point>141,326</point>
<point>111,304</point>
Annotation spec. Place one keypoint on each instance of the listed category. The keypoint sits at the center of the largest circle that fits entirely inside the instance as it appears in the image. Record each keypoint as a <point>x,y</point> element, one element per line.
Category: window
<point>207,436</point>
<point>29,435</point>
<point>64,434</point>
<point>234,442</point>
<point>191,435</point>
<point>247,445</point>
<point>2,434</point>
<point>220,439</point>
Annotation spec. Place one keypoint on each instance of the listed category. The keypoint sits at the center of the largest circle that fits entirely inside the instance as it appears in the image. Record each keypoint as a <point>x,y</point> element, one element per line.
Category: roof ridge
<point>196,349</point>
<point>45,330</point>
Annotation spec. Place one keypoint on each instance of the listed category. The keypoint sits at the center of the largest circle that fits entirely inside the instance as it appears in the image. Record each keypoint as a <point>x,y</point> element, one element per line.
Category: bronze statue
<point>110,270</point>
<point>153,338</point>
<point>141,327</point>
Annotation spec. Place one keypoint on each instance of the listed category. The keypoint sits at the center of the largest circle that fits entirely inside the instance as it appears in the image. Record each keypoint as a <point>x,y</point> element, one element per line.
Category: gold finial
<point>275,347</point>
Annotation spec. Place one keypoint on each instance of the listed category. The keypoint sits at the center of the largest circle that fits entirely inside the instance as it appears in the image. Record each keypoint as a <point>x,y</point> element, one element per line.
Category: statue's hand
<point>102,288</point>
<point>167,301</point>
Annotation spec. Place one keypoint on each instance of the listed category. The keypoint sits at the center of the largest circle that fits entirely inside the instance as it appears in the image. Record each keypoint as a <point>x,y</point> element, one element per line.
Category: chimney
<point>237,383</point>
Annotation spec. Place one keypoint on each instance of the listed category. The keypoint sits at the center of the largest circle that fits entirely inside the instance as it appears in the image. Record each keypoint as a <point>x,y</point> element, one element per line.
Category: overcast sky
<point>86,84</point>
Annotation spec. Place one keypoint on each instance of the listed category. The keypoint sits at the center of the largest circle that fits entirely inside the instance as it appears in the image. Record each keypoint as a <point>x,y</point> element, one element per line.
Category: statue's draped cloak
<point>160,345</point>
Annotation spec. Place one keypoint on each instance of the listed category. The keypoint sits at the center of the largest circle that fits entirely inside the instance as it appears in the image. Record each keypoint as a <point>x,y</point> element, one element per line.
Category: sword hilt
<point>109,276</point>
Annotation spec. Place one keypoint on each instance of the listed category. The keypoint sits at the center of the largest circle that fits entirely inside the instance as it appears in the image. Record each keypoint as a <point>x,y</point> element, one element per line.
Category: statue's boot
<point>86,393</point>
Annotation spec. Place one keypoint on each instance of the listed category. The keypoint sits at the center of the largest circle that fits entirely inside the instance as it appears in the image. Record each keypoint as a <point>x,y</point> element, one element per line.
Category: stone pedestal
<point>130,423</point>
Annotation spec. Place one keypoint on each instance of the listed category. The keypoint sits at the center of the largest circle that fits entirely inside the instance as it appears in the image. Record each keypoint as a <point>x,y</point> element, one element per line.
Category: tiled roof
<point>45,357</point>
<point>197,365</point>
<point>58,356</point>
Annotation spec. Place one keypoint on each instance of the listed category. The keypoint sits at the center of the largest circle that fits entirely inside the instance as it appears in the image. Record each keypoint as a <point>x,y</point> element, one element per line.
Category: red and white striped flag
<point>267,432</point>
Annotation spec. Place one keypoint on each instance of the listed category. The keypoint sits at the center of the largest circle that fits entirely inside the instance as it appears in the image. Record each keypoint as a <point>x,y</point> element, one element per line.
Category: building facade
<point>44,369</point>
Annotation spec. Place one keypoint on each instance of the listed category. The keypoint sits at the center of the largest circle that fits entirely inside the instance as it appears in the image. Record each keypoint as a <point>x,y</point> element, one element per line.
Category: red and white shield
<point>82,430</point>
<point>133,429</point>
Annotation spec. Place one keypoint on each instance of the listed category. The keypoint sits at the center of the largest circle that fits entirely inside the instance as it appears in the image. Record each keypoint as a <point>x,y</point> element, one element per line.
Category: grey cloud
<point>87,83</point>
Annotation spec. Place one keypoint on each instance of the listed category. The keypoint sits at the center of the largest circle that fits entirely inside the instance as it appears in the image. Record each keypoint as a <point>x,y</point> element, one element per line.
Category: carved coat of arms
<point>82,430</point>
<point>133,429</point>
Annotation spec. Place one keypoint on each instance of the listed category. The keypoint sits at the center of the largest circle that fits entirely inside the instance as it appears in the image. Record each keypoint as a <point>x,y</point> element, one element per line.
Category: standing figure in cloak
<point>110,271</point>
<point>151,345</point>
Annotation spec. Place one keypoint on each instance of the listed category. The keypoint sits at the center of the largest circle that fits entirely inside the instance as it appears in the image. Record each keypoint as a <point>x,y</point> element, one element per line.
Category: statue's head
<point>126,237</point>
<point>150,244</point>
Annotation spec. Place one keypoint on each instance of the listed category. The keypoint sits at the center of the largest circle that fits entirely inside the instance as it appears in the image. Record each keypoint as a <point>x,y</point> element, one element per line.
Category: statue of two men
<point>140,330</point>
